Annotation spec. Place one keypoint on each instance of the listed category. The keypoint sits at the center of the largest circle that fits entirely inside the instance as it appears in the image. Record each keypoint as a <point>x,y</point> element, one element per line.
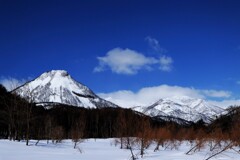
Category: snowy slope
<point>185,108</point>
<point>57,86</point>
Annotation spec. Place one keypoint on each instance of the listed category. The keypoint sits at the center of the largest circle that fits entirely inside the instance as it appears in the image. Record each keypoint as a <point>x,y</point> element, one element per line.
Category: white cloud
<point>154,44</point>
<point>166,63</point>
<point>123,98</point>
<point>127,61</point>
<point>216,94</point>
<point>11,83</point>
<point>149,95</point>
<point>238,82</point>
<point>226,103</point>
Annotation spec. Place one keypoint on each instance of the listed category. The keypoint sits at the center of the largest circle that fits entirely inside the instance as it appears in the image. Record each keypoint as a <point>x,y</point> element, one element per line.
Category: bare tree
<point>30,98</point>
<point>48,128</point>
<point>161,135</point>
<point>77,132</point>
<point>200,142</point>
<point>121,128</point>
<point>58,134</point>
<point>143,136</point>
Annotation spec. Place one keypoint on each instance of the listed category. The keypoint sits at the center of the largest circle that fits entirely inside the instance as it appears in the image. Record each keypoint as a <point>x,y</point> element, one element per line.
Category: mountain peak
<point>58,72</point>
<point>54,73</point>
<point>57,86</point>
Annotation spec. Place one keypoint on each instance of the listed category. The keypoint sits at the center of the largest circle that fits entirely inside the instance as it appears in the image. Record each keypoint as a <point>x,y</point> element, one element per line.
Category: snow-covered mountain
<point>185,108</point>
<point>57,86</point>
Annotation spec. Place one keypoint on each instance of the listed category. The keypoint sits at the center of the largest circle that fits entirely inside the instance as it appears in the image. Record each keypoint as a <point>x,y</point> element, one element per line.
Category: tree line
<point>23,120</point>
<point>221,135</point>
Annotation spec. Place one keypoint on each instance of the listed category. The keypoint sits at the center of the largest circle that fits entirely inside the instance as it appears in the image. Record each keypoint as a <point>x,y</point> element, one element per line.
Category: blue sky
<point>115,46</point>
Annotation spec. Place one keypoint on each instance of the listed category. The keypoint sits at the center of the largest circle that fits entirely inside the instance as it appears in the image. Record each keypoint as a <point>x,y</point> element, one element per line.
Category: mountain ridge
<point>186,108</point>
<point>57,86</point>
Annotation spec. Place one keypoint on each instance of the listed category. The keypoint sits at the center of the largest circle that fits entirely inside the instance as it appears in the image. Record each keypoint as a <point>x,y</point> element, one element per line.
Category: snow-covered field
<point>96,149</point>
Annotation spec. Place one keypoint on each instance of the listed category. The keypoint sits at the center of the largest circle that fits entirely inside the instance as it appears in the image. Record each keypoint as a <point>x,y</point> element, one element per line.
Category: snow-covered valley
<point>100,149</point>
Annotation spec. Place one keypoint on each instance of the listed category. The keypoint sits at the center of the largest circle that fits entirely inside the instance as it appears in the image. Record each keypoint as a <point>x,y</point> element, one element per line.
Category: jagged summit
<point>57,86</point>
<point>186,108</point>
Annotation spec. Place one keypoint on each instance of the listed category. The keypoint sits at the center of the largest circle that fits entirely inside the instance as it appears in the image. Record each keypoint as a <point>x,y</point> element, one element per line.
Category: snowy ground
<point>100,149</point>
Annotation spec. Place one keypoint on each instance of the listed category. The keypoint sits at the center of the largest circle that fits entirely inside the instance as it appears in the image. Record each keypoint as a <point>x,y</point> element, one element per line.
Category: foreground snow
<point>101,149</point>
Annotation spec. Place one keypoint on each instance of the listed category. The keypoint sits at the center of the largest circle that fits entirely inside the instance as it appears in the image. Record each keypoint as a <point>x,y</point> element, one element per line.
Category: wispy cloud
<point>238,82</point>
<point>127,61</point>
<point>154,44</point>
<point>11,83</point>
<point>165,61</point>
<point>149,95</point>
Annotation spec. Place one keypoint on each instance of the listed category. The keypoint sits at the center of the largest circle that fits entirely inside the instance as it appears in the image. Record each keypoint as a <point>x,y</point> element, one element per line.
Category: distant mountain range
<point>58,87</point>
<point>185,108</point>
